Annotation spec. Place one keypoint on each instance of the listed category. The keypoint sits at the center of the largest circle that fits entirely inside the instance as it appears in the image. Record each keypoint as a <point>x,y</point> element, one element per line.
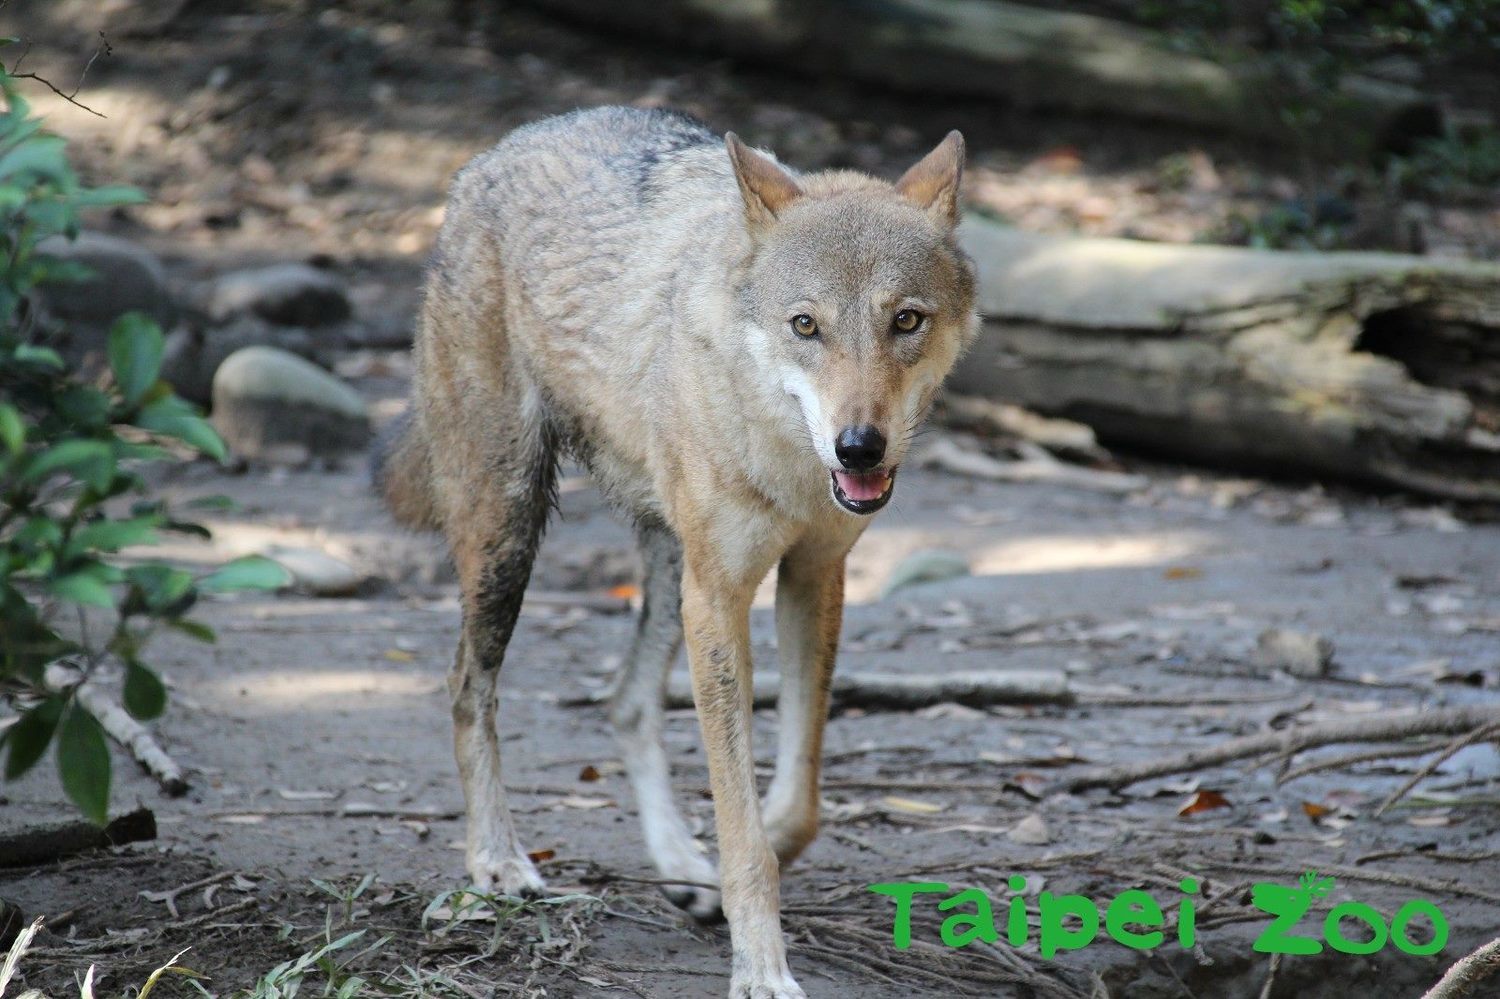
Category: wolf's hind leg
<point>499,500</point>
<point>636,712</point>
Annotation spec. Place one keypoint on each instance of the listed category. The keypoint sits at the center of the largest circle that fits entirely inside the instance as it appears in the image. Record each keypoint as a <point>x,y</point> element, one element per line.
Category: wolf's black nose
<point>860,448</point>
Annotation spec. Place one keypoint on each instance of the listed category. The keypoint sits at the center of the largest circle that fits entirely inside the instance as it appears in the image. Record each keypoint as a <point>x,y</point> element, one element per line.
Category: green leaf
<point>107,197</point>
<point>84,406</point>
<point>161,587</point>
<point>253,572</point>
<point>28,738</point>
<point>135,352</point>
<point>30,353</point>
<point>83,763</point>
<point>40,156</point>
<point>145,696</point>
<point>38,531</point>
<point>194,629</point>
<point>12,430</point>
<point>175,418</point>
<point>136,451</point>
<point>87,460</point>
<point>112,535</point>
<point>217,502</point>
<point>83,587</point>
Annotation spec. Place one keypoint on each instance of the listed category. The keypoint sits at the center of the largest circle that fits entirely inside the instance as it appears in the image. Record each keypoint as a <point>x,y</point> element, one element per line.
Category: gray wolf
<point>739,354</point>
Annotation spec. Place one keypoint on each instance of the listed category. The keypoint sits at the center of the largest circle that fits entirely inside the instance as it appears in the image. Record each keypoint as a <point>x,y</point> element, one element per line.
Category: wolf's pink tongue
<point>863,486</point>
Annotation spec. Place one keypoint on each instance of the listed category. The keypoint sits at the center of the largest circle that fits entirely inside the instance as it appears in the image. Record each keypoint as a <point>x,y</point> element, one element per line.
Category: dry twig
<point>72,98</point>
<point>1382,728</point>
<point>1460,979</point>
<point>1363,756</point>
<point>1478,735</point>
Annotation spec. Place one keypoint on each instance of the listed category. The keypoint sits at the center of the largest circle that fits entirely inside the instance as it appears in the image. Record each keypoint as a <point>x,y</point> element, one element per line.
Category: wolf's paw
<point>703,904</point>
<point>781,986</point>
<point>505,875</point>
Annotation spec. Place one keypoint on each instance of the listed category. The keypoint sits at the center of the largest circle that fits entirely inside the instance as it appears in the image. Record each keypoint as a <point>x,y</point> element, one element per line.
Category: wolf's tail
<point>401,471</point>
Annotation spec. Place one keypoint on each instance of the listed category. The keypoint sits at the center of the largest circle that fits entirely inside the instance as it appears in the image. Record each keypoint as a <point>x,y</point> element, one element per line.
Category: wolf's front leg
<point>809,612</point>
<point>716,623</point>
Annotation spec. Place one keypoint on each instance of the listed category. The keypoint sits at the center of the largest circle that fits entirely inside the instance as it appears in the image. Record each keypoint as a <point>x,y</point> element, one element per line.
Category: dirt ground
<point>310,712</point>
<point>316,731</point>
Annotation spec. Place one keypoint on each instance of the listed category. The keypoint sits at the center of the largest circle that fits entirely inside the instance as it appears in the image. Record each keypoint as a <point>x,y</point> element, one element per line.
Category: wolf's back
<point>568,209</point>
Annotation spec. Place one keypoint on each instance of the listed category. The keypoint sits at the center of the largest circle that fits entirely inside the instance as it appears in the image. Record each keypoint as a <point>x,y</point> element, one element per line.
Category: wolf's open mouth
<point>863,492</point>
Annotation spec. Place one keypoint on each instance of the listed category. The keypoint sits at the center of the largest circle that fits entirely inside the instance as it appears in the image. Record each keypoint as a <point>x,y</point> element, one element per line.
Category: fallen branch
<point>897,691</point>
<point>1478,735</point>
<point>1036,466</point>
<point>1063,437</point>
<point>169,897</point>
<point>1460,979</point>
<point>1435,886</point>
<point>1385,728</point>
<point>47,843</point>
<point>124,729</point>
<point>1363,756</point>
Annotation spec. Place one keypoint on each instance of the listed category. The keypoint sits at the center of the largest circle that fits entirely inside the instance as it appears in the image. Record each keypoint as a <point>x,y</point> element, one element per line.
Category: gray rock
<point>316,572</point>
<point>1299,653</point>
<point>930,565</point>
<point>289,294</point>
<point>268,403</point>
<point>126,278</point>
<point>193,356</point>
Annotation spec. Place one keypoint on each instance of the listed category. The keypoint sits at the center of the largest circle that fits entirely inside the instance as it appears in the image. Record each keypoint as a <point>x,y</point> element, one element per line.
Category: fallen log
<point>1023,55</point>
<point>47,843</point>
<point>1373,366</point>
<point>899,691</point>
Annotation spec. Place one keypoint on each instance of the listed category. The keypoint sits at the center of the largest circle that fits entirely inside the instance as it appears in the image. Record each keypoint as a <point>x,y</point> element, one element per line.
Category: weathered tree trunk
<point>1375,366</point>
<point>1024,55</point>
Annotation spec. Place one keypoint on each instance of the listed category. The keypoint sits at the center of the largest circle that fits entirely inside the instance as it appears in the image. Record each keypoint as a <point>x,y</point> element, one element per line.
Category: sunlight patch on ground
<point>301,689</point>
<point>1081,552</point>
<point>879,552</point>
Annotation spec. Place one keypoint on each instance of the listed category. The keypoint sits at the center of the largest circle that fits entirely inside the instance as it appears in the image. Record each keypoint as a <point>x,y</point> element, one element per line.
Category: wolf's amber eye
<point>907,321</point>
<point>804,325</point>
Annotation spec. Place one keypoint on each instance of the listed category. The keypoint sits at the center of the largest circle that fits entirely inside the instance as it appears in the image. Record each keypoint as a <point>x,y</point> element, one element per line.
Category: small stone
<point>193,356</point>
<point>125,278</point>
<point>1299,653</point>
<point>288,294</point>
<point>1031,831</point>
<point>265,399</point>
<point>316,572</point>
<point>930,565</point>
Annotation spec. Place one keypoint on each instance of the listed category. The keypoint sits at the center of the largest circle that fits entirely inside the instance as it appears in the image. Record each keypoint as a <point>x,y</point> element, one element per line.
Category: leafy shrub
<point>1454,164</point>
<point>72,493</point>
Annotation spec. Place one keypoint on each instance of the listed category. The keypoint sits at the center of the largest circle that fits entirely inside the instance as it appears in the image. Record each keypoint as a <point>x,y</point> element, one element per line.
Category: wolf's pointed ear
<point>767,188</point>
<point>932,184</point>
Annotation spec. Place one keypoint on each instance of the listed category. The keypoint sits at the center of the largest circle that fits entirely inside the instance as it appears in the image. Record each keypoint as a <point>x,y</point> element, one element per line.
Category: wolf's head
<point>858,301</point>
